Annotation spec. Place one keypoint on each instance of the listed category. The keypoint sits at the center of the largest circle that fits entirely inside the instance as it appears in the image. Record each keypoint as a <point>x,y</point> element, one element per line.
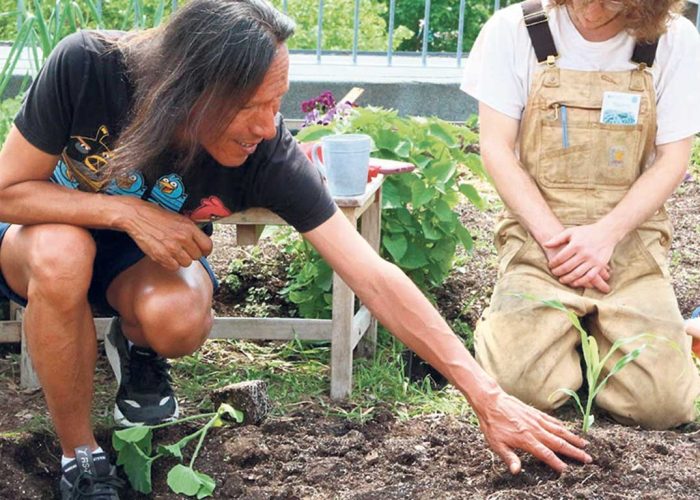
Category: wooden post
<point>341,340</point>
<point>27,376</point>
<point>371,225</point>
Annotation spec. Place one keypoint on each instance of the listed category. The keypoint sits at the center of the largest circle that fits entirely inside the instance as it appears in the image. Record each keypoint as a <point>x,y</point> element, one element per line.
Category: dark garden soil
<point>307,454</point>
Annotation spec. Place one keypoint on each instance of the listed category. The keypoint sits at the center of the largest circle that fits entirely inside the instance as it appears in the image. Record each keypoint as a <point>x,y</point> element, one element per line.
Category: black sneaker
<point>90,476</point>
<point>145,395</point>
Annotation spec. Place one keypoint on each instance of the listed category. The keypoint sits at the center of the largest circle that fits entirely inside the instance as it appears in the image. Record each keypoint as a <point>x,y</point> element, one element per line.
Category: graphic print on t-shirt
<point>85,157</point>
<point>169,192</point>
<point>209,209</point>
<point>127,185</point>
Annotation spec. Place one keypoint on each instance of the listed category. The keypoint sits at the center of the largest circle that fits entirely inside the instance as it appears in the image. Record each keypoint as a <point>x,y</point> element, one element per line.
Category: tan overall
<point>530,348</point>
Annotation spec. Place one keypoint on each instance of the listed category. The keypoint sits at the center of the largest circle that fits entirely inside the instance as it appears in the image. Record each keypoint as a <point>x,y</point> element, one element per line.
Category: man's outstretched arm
<point>507,424</point>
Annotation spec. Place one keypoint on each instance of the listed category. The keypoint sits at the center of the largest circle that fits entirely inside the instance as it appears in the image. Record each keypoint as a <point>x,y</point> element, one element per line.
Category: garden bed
<point>305,451</point>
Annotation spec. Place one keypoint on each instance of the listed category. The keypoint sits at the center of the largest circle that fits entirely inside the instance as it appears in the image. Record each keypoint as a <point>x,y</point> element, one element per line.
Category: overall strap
<point>537,27</point>
<point>645,53</point>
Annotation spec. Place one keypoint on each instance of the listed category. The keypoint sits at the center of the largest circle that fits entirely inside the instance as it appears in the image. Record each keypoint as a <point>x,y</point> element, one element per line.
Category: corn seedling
<point>594,363</point>
<point>134,447</point>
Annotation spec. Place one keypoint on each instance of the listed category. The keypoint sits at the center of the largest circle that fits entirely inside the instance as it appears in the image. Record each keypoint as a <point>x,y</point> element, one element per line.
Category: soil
<point>309,454</point>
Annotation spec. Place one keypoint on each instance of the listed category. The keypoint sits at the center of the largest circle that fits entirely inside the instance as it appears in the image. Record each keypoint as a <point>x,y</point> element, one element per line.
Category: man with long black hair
<point>124,143</point>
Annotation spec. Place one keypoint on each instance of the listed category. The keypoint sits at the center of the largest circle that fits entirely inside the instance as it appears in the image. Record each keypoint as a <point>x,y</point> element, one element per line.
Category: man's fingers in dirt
<point>538,450</point>
<point>558,429</point>
<point>509,458</point>
<point>562,446</point>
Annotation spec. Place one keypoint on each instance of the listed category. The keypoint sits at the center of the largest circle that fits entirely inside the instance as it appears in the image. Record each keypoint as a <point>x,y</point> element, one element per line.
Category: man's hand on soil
<point>508,425</point>
<point>582,257</point>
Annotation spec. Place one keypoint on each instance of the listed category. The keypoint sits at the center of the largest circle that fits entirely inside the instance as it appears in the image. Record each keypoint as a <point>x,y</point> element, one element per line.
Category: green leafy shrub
<point>420,228</point>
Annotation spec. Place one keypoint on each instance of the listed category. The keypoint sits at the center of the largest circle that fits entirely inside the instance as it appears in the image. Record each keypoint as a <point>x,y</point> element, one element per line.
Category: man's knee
<point>60,260</point>
<point>175,325</point>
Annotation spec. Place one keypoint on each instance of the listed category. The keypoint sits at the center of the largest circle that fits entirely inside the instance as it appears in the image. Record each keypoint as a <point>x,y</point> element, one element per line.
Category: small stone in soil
<point>250,397</point>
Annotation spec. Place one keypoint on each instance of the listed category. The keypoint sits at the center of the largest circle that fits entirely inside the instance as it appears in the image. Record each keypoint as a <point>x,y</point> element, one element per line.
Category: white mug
<point>345,162</point>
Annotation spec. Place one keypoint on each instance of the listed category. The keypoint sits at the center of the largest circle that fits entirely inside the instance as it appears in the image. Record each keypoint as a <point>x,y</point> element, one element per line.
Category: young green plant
<point>594,363</point>
<point>134,447</point>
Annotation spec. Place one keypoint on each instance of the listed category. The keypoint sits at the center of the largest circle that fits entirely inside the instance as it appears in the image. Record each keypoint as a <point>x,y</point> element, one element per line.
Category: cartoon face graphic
<point>169,192</point>
<point>209,209</point>
<point>128,185</point>
<point>85,158</point>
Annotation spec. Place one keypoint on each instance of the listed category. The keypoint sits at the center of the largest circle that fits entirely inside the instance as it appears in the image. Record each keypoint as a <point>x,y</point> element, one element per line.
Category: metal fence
<point>353,51</point>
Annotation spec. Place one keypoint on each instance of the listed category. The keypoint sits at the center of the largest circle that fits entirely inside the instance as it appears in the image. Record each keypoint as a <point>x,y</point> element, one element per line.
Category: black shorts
<point>116,252</point>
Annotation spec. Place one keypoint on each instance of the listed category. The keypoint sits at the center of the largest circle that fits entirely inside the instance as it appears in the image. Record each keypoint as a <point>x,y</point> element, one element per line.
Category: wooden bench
<point>348,329</point>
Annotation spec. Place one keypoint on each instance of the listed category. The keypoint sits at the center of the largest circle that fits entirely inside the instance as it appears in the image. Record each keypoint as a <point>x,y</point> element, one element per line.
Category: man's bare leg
<point>51,265</point>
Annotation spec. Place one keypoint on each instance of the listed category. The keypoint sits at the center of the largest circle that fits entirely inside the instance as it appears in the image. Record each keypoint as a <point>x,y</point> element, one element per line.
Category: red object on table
<point>376,165</point>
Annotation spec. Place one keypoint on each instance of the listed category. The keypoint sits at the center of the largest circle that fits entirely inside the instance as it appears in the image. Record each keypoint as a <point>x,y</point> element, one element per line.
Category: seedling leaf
<point>140,436</point>
<point>229,410</point>
<point>187,481</point>
<point>137,467</point>
<point>571,394</point>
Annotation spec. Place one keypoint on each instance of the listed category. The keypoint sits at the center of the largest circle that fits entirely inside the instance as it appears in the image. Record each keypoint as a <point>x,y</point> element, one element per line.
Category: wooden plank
<point>253,216</point>
<point>371,227</point>
<point>352,95</point>
<point>271,328</point>
<point>360,323</point>
<point>247,234</point>
<point>28,378</point>
<point>341,339</point>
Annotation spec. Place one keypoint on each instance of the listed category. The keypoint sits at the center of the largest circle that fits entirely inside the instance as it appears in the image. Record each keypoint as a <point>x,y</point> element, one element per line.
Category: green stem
<point>589,404</point>
<point>182,420</point>
<point>204,431</point>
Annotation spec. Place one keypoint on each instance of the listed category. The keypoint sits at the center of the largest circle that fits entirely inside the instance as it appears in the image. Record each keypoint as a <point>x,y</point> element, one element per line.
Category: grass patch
<point>298,373</point>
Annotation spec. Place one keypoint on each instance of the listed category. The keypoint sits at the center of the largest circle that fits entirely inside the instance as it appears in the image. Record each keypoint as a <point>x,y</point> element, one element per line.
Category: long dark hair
<point>191,76</point>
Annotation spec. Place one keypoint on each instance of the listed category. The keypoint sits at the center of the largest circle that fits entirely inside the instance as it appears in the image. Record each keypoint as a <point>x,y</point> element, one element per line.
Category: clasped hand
<point>579,256</point>
<point>172,240</point>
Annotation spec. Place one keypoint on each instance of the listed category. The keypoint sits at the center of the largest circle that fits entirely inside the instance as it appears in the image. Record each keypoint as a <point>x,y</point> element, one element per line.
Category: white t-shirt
<point>502,63</point>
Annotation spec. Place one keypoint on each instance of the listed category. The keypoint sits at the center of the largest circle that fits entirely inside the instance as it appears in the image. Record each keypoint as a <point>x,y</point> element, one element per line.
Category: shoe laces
<point>150,369</point>
<point>89,485</point>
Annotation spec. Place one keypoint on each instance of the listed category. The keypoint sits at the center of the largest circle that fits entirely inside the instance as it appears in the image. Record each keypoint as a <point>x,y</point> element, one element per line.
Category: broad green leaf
<point>173,450</point>
<point>387,140</point>
<point>430,231</point>
<point>441,171</point>
<point>421,194</point>
<point>396,245</point>
<point>442,133</point>
<point>465,237</point>
<point>403,149</point>
<point>472,195</point>
<point>421,161</point>
<point>207,485</point>
<point>137,467</point>
<point>473,162</point>
<point>414,258</point>
<point>184,480</point>
<point>405,217</point>
<point>443,211</point>
<point>133,434</point>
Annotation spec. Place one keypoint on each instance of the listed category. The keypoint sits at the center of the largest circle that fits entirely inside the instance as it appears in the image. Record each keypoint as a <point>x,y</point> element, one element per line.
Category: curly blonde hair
<point>646,20</point>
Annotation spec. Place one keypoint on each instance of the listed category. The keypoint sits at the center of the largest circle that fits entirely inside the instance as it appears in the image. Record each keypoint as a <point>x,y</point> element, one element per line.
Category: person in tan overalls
<point>585,224</point>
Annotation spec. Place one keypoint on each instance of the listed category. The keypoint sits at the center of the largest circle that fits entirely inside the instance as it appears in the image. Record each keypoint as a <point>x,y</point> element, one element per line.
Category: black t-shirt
<point>77,106</point>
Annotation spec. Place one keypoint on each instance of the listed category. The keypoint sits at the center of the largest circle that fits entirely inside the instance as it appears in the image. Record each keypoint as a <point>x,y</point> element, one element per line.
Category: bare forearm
<point>36,202</point>
<point>520,194</point>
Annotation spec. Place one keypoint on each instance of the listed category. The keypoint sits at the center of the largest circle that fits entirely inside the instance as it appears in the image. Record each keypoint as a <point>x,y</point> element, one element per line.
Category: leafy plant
<point>420,228</point>
<point>134,447</point>
<point>594,363</point>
